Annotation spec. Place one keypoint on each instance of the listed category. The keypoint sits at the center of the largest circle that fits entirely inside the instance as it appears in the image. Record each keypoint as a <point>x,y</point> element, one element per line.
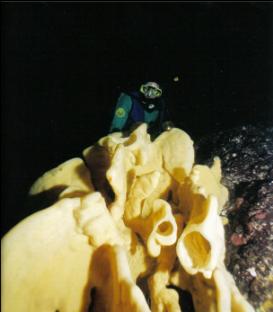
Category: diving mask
<point>151,90</point>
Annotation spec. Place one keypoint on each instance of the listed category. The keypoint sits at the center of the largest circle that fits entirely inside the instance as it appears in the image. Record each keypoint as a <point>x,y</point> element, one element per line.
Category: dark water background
<point>64,65</point>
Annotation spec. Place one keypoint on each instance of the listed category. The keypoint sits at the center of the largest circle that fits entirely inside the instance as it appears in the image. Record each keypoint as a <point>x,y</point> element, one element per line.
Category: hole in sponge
<point>165,228</point>
<point>198,249</point>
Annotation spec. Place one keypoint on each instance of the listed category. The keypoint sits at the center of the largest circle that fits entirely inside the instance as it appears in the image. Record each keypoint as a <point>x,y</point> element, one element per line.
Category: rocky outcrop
<point>246,153</point>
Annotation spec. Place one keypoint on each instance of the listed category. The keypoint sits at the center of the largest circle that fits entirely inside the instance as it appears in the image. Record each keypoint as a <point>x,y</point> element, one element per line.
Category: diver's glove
<point>115,130</point>
<point>167,125</point>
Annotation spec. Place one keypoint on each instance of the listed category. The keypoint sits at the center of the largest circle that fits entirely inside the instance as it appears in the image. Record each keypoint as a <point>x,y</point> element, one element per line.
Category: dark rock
<point>247,167</point>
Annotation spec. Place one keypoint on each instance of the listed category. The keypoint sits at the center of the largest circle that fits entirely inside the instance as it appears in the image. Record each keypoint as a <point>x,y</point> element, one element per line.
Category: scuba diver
<point>143,106</point>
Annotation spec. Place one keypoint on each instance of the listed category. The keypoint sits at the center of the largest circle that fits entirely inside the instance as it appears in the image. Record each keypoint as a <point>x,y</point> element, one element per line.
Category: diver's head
<point>151,90</point>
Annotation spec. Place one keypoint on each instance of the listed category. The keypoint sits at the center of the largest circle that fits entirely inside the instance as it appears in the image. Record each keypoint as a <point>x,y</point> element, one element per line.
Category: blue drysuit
<point>133,107</point>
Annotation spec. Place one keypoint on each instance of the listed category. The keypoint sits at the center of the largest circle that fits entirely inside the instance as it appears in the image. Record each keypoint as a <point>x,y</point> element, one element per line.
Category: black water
<point>64,64</point>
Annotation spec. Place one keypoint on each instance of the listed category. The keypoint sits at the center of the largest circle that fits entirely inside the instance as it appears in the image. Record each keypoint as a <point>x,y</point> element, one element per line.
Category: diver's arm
<point>122,112</point>
<point>165,118</point>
